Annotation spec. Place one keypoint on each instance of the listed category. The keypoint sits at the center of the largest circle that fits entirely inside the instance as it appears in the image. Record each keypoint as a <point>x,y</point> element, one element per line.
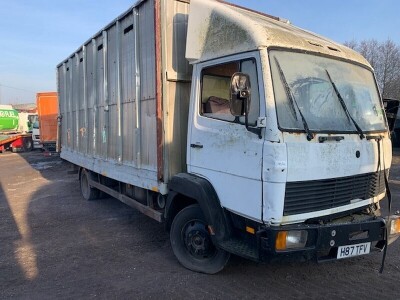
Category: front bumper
<point>323,240</point>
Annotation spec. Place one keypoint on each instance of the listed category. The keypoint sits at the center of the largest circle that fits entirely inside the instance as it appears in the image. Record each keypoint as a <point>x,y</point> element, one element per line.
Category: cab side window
<point>215,91</point>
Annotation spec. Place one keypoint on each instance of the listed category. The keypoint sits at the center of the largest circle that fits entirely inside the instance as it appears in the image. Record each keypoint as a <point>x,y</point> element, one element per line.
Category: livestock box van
<point>242,133</point>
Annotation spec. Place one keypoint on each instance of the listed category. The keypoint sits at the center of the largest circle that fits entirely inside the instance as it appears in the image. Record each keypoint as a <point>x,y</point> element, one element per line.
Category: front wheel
<point>192,244</point>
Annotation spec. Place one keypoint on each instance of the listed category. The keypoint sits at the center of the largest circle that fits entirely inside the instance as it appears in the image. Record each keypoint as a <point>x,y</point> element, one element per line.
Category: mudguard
<point>200,190</point>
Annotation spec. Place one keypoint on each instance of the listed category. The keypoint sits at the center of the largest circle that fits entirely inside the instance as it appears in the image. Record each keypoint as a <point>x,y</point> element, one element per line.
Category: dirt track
<point>53,244</point>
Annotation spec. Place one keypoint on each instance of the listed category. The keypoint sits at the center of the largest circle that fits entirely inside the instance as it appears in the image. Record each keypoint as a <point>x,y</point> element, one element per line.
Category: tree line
<point>385,59</point>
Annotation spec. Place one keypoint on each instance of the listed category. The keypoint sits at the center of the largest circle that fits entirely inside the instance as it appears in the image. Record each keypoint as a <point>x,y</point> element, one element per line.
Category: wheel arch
<point>187,189</point>
<point>88,192</point>
<point>93,175</point>
<point>80,170</point>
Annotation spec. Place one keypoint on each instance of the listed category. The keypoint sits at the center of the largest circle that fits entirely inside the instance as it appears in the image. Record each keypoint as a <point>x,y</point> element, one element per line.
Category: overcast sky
<point>36,35</point>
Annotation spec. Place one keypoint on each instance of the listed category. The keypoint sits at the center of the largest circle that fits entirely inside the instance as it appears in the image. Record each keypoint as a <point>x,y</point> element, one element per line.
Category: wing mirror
<point>240,99</point>
<point>240,94</point>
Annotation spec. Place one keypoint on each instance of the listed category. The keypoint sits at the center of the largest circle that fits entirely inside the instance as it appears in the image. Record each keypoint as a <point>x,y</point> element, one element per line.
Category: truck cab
<point>324,121</point>
<point>36,135</point>
<point>289,130</point>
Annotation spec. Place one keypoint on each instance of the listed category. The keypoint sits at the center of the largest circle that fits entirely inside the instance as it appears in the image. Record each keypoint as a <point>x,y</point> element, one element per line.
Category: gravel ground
<point>53,244</point>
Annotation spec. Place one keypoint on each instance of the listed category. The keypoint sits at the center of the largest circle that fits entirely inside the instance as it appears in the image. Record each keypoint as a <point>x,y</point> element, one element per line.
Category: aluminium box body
<point>124,97</point>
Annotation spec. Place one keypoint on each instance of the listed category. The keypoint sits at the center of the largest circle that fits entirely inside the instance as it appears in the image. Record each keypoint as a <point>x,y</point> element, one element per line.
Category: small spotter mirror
<point>240,94</point>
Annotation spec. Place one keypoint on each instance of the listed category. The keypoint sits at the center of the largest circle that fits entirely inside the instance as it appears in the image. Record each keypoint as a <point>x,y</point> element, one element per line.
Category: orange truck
<point>47,107</point>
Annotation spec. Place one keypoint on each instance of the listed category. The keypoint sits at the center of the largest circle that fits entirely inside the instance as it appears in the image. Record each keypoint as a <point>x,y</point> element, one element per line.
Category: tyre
<point>28,144</point>
<point>88,192</point>
<point>192,244</point>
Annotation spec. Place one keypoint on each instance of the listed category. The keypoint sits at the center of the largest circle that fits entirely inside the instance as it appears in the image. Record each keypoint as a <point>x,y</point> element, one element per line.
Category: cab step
<point>240,248</point>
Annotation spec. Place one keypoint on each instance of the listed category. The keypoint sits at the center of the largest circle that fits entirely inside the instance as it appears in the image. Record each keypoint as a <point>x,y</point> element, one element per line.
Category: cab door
<point>220,148</point>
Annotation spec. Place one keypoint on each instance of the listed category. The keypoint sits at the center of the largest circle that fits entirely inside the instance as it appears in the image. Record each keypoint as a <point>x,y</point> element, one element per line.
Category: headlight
<point>293,239</point>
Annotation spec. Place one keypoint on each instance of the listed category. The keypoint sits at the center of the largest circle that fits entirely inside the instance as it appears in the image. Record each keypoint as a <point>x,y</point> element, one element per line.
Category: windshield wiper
<point>346,110</point>
<point>292,100</point>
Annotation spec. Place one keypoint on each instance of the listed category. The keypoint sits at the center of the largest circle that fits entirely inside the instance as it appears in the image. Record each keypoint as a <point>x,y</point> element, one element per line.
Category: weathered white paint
<point>216,29</point>
<point>219,30</point>
<point>231,157</point>
<point>311,160</point>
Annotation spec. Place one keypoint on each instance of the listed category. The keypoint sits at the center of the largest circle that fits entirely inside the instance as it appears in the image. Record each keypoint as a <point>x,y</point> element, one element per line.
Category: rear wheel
<point>88,192</point>
<point>192,244</point>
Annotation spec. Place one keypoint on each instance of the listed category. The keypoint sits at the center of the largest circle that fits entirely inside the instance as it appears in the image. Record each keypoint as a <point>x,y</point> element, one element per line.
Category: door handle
<point>196,145</point>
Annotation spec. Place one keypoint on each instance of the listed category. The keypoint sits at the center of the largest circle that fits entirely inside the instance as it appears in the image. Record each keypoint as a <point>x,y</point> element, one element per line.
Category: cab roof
<point>218,28</point>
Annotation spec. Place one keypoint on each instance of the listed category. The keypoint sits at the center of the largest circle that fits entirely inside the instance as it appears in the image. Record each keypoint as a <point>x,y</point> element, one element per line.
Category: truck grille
<point>314,195</point>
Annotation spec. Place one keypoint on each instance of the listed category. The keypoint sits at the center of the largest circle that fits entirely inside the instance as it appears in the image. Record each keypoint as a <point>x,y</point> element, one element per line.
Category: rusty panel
<point>75,99</point>
<point>90,97</point>
<point>148,50</point>
<point>159,112</point>
<point>176,86</point>
<point>176,135</point>
<point>62,109</point>
<point>81,136</point>
<point>175,31</point>
<point>68,94</point>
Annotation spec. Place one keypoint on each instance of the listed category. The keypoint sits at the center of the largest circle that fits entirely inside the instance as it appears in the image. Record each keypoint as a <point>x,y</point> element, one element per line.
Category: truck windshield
<point>309,83</point>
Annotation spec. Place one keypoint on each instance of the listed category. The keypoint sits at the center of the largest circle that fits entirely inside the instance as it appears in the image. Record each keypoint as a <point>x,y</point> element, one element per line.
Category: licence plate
<point>353,250</point>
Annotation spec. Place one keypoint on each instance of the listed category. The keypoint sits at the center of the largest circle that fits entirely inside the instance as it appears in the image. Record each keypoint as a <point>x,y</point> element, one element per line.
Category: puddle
<point>43,165</point>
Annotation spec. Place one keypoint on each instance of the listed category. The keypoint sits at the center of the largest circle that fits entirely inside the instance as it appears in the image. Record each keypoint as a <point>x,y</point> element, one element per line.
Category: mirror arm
<point>246,114</point>
<point>256,130</point>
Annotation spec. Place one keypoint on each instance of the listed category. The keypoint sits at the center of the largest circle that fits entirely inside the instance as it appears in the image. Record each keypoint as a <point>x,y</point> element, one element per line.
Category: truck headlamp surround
<point>292,239</point>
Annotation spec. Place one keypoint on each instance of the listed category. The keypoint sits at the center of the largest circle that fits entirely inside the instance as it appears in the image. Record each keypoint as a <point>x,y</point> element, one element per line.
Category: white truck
<point>37,144</point>
<point>241,132</point>
<point>26,121</point>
